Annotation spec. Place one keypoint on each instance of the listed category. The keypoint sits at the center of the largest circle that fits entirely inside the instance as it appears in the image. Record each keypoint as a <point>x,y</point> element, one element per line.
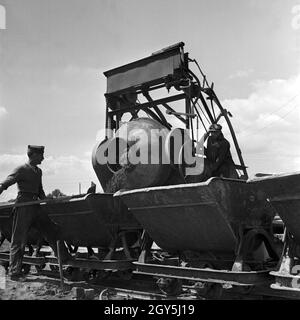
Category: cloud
<point>9,161</point>
<point>3,112</point>
<point>241,74</point>
<point>267,125</point>
<point>66,173</point>
<point>266,119</point>
<point>88,154</point>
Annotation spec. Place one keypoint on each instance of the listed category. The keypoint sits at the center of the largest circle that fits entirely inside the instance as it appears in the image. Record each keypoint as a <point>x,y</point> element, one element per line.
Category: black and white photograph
<point>149,151</point>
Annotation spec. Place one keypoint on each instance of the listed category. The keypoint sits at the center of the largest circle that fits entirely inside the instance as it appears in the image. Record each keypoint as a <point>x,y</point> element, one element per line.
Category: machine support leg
<point>112,248</point>
<point>286,260</point>
<point>145,247</point>
<point>238,263</point>
<point>125,245</point>
<point>248,243</point>
<point>2,239</point>
<point>60,265</point>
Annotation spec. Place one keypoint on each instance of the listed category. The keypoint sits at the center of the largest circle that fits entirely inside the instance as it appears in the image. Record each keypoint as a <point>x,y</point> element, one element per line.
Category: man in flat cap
<point>29,181</point>
<point>219,161</point>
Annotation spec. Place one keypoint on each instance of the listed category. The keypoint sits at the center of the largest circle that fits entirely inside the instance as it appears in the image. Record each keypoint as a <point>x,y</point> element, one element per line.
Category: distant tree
<point>56,193</point>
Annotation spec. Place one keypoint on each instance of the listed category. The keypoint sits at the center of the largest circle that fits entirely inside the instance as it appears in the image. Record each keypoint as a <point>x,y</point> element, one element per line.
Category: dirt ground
<point>40,287</point>
<point>34,288</point>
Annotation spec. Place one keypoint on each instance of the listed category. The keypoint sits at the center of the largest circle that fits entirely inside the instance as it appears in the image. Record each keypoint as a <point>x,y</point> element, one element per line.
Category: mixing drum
<point>134,158</point>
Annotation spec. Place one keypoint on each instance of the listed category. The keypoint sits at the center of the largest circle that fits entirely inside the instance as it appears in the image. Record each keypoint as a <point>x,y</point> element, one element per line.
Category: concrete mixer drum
<point>134,158</point>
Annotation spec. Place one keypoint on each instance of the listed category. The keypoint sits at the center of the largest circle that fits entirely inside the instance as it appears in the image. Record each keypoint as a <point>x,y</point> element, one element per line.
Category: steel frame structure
<point>167,68</point>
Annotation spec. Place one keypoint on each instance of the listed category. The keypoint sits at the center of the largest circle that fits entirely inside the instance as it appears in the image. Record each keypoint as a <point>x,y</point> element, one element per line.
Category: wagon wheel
<point>73,274</point>
<point>170,287</point>
<point>40,267</point>
<point>68,273</point>
<point>104,294</point>
<point>53,267</point>
<point>201,288</point>
<point>94,276</point>
<point>90,276</point>
<point>209,290</point>
<point>26,268</point>
<point>107,294</point>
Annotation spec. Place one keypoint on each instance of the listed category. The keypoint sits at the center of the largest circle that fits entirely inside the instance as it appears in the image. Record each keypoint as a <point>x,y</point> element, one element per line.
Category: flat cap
<point>215,127</point>
<point>39,149</point>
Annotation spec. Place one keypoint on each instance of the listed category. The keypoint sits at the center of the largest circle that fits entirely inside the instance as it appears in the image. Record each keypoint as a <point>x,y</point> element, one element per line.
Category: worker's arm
<point>10,180</point>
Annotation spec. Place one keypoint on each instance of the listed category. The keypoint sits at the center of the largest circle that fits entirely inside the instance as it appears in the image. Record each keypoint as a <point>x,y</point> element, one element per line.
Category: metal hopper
<point>89,220</point>
<point>203,217</point>
<point>283,190</point>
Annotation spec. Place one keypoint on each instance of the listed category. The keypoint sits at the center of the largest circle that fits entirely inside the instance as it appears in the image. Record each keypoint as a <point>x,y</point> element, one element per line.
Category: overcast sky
<point>53,54</point>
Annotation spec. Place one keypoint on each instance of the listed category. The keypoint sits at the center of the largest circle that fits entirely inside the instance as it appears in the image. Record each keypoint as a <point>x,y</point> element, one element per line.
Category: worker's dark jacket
<point>29,182</point>
<point>219,158</point>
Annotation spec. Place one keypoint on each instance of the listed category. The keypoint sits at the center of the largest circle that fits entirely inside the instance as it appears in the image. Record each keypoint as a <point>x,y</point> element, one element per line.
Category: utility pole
<point>79,187</point>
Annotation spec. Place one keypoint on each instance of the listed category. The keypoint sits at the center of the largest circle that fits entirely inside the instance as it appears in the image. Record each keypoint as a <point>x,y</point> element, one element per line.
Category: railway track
<point>114,287</point>
<point>119,280</point>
